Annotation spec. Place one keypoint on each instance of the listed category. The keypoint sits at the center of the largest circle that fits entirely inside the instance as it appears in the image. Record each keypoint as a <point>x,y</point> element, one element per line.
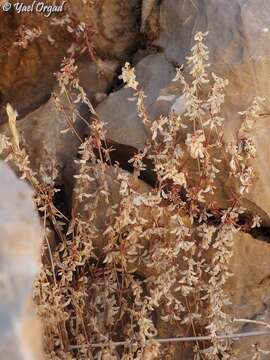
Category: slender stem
<point>252,322</point>
<point>235,336</point>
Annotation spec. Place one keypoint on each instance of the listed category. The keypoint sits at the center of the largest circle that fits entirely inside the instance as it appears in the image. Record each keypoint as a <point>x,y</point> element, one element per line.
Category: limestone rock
<point>97,78</point>
<point>27,74</point>
<point>147,8</point>
<point>249,291</point>
<point>20,241</point>
<point>150,24</point>
<point>115,25</point>
<point>44,141</point>
<point>249,287</point>
<point>245,349</point>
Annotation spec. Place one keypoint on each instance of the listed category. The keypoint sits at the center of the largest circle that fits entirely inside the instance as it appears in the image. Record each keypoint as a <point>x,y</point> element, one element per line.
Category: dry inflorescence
<point>154,257</point>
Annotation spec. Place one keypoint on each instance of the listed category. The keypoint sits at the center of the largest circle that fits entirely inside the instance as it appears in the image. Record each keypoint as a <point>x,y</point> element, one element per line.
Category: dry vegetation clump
<point>162,253</point>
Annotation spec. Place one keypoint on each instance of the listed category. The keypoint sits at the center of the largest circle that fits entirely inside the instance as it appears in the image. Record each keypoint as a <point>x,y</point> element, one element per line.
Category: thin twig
<point>49,248</point>
<point>257,322</point>
<point>235,336</point>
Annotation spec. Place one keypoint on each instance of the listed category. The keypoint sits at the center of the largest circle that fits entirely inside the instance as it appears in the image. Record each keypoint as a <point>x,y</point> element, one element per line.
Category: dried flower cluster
<point>81,34</point>
<point>25,36</point>
<point>132,258</point>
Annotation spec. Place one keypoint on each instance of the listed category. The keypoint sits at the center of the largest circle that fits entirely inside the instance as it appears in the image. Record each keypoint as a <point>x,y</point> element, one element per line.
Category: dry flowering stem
<point>187,177</point>
<point>82,34</point>
<point>164,252</point>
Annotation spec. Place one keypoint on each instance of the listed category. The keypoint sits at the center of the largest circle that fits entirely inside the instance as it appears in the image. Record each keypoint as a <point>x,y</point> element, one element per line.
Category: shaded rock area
<point>20,242</point>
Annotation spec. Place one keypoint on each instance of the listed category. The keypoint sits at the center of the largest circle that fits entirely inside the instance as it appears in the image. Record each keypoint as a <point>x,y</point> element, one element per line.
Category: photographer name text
<point>36,6</point>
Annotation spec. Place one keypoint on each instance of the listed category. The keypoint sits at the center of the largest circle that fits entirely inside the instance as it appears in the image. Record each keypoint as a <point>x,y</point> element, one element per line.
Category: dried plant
<point>25,36</point>
<point>163,255</point>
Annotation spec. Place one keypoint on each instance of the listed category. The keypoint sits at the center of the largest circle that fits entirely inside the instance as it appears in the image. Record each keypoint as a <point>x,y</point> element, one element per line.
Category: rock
<point>249,291</point>
<point>150,20</point>
<point>42,128</point>
<point>180,21</point>
<point>249,287</point>
<point>44,141</point>
<point>177,21</point>
<point>27,74</point>
<point>245,349</point>
<point>115,25</point>
<point>119,113</point>
<point>97,78</point>
<point>20,242</point>
<point>147,8</point>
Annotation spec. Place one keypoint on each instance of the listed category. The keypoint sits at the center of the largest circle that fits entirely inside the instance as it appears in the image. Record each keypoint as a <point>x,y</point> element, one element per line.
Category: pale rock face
<point>41,131</point>
<point>20,241</point>
<point>249,291</point>
<point>147,8</point>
